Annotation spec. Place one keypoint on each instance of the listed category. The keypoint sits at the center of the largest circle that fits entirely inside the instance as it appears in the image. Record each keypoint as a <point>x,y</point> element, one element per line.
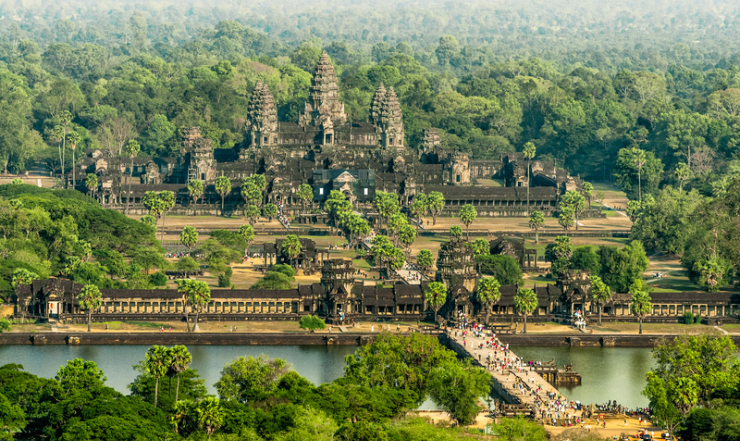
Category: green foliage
<point>505,269</point>
<point>619,268</point>
<point>311,323</point>
<point>457,388</point>
<point>4,325</point>
<point>435,295</point>
<point>274,280</point>
<point>586,258</point>
<point>189,237</point>
<point>407,363</point>
<point>518,429</point>
<point>456,231</point>
<point>690,372</point>
<point>688,318</point>
<point>251,379</point>
<point>158,279</point>
<point>424,260</point>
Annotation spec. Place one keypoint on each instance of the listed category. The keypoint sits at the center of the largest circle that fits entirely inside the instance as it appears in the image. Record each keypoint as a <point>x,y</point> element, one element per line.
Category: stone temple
<point>327,150</point>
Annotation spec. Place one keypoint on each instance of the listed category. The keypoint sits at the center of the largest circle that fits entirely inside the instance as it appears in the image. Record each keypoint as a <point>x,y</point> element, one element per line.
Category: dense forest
<point>647,97</point>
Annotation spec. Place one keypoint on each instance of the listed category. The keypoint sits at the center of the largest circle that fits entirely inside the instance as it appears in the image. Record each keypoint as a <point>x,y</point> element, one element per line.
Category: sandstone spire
<point>323,98</point>
<point>261,116</point>
<point>376,104</point>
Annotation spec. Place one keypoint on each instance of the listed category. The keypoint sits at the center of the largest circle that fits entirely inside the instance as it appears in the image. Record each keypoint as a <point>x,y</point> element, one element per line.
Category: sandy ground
<point>614,427</point>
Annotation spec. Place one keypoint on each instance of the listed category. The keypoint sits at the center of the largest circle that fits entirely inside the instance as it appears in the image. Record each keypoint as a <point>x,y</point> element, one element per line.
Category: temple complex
<point>328,151</point>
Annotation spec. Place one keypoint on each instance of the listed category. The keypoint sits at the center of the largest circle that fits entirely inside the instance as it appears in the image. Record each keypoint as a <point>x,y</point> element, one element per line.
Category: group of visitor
<point>176,255</point>
<point>283,219</point>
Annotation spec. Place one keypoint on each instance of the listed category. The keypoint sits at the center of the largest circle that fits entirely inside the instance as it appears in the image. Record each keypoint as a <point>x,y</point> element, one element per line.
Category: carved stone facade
<point>289,153</point>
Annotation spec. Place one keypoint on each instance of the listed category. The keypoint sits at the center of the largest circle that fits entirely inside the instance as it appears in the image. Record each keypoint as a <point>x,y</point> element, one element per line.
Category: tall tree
<point>223,187</point>
<point>210,415</point>
<point>588,189</point>
<point>641,304</point>
<point>456,231</point>
<point>575,202</point>
<point>436,203</point>
<point>74,139</point>
<point>156,364</point>
<point>424,260</point>
<point>89,299</point>
<point>305,194</point>
<point>639,159</point>
<point>189,237</point>
<point>525,303</point>
<point>682,174</point>
<point>566,219</point>
<point>529,152</point>
<point>536,222</point>
<point>131,150</point>
<point>91,183</point>
<point>195,294</point>
<point>467,216</point>
<point>488,293</point>
<point>247,233</point>
<point>600,293</point>
<point>180,358</point>
<point>195,189</point>
<point>435,296</point>
<point>291,247</point>
<point>167,202</point>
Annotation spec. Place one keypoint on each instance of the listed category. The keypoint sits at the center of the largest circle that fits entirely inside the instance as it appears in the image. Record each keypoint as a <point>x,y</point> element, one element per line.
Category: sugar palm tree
<point>467,216</point>
<point>195,189</point>
<point>601,293</point>
<point>291,247</point>
<point>89,299</point>
<point>641,303</point>
<point>488,293</point>
<point>525,302</point>
<point>210,415</point>
<point>247,233</point>
<point>167,199</point>
<point>639,159</point>
<point>189,237</point>
<point>529,152</point>
<point>74,139</point>
<point>682,173</point>
<point>180,358</point>
<point>131,150</point>
<point>536,222</point>
<point>435,296</point>
<point>91,183</point>
<point>223,187</point>
<point>156,364</point>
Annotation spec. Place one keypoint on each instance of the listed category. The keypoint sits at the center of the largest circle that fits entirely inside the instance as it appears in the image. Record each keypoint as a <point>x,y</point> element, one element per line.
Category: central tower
<point>323,109</point>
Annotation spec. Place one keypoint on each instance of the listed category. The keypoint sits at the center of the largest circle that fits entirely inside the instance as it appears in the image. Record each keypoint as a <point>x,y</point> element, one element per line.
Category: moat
<point>608,373</point>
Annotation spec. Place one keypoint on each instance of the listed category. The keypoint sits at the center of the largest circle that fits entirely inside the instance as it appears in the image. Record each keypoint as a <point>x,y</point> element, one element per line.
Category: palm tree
<point>641,303</point>
<point>601,293</point>
<point>66,118</point>
<point>436,203</point>
<point>180,359</point>
<point>291,247</point>
<point>638,158</point>
<point>589,190</point>
<point>210,415</point>
<point>167,199</point>
<point>189,237</point>
<point>223,187</point>
<point>74,139</point>
<point>436,296</point>
<point>488,293</point>
<point>305,193</point>
<point>59,134</point>
<point>195,294</point>
<point>467,216</point>
<point>91,183</point>
<point>195,188</point>
<point>131,150</point>
<point>525,302</point>
<point>529,152</point>
<point>536,222</point>
<point>247,233</point>
<point>88,300</point>
<point>156,364</point>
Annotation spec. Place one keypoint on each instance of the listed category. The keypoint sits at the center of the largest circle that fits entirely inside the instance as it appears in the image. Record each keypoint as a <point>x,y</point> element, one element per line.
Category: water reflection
<point>608,373</point>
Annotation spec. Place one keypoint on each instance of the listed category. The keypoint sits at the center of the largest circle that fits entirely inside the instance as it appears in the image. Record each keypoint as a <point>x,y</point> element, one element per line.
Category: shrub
<point>311,323</point>
<point>158,279</point>
<point>283,269</point>
<point>688,318</point>
<point>697,319</point>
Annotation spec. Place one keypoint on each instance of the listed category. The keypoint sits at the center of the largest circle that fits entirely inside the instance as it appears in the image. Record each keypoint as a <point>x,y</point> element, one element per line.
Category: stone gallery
<point>328,151</point>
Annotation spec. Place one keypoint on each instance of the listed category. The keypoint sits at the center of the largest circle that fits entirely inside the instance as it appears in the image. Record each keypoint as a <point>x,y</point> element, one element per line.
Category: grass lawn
<point>656,328</point>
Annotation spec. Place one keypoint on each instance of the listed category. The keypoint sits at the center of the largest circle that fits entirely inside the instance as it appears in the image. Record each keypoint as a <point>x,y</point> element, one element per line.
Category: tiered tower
<point>261,124</point>
<point>391,121</point>
<point>323,108</point>
<point>377,104</point>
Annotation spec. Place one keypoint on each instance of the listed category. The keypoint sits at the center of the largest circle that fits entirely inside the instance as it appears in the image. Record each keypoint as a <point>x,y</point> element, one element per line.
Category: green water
<point>608,373</point>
